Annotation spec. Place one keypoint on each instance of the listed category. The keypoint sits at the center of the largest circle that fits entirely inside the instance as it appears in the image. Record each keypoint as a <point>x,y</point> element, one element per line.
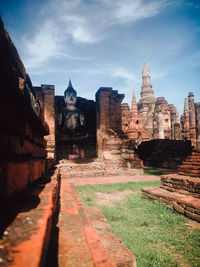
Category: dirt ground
<point>109,199</point>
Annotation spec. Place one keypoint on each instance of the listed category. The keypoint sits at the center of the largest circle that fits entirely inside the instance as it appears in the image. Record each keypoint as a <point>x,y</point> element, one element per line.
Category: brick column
<point>112,104</point>
<point>49,116</point>
<point>118,113</point>
<point>197,113</point>
<point>103,116</point>
<point>192,118</point>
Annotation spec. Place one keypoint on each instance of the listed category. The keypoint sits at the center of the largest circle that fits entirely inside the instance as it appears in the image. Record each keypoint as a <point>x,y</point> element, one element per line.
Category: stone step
<point>189,169</point>
<point>194,163</point>
<point>84,174</point>
<point>184,204</point>
<point>30,218</point>
<point>96,169</point>
<point>189,172</point>
<point>182,184</point>
<point>78,243</point>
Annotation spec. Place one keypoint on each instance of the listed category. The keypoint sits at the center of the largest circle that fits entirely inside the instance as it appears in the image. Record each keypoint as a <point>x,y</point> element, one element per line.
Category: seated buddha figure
<point>71,117</point>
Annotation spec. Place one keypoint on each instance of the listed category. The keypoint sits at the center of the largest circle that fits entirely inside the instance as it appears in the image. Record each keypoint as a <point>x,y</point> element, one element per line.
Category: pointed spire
<point>145,69</point>
<point>134,104</point>
<point>147,94</point>
<point>70,83</point>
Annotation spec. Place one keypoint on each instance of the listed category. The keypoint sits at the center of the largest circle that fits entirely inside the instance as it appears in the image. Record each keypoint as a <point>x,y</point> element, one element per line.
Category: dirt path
<point>112,179</point>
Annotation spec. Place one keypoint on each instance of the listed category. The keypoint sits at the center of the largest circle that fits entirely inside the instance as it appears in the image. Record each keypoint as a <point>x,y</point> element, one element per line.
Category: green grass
<point>156,235</point>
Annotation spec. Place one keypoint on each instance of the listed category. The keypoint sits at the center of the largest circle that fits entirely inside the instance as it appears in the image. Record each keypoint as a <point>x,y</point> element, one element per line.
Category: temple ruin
<point>160,120</point>
<point>41,131</point>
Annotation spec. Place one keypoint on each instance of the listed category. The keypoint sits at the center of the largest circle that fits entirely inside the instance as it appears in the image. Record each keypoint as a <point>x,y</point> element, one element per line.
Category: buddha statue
<point>71,117</point>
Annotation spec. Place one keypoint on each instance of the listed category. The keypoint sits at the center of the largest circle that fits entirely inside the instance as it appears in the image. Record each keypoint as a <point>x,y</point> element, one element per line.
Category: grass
<point>156,235</point>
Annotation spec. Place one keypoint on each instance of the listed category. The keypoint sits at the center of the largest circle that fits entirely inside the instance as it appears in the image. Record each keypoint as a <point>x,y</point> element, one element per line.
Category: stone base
<point>184,204</point>
<point>181,184</point>
<point>96,168</point>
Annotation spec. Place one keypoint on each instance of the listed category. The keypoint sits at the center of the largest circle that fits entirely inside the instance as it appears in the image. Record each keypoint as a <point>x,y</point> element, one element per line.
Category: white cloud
<point>131,11</point>
<point>42,46</point>
<point>126,75</point>
<point>125,11</point>
<point>65,23</point>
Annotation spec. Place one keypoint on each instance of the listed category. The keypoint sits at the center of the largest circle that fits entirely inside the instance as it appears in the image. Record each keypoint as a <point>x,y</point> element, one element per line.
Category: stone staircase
<point>191,166</point>
<point>49,226</point>
<point>95,168</point>
<point>180,191</point>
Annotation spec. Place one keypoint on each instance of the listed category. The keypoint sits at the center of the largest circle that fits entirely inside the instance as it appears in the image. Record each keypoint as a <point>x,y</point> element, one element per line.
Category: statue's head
<point>70,95</point>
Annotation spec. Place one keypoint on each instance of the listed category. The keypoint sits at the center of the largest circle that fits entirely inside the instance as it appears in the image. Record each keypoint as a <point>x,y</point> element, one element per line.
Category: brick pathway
<point>112,179</point>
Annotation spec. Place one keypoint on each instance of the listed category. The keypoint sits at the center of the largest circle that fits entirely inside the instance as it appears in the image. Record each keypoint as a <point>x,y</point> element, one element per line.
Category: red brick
<point>178,208</point>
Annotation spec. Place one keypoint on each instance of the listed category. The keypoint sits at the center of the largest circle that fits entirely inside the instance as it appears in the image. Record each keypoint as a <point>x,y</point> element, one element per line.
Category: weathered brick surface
<point>112,243</point>
<point>22,124</point>
<point>186,205</point>
<point>46,95</point>
<point>112,142</point>
<point>15,176</point>
<point>191,166</point>
<point>79,244</point>
<point>181,184</point>
<point>11,146</point>
<point>164,152</point>
<point>27,241</point>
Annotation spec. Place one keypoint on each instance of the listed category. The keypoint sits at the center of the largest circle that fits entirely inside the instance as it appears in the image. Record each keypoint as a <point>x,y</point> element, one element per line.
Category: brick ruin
<point>111,131</point>
<point>160,120</point>
<point>34,137</point>
<point>190,121</point>
<point>112,143</point>
<point>181,191</point>
<point>23,129</point>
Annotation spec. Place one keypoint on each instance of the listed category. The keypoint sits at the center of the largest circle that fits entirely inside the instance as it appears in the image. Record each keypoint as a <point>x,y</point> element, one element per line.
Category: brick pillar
<point>192,119</point>
<point>103,116</point>
<point>49,116</point>
<point>161,134</point>
<point>112,104</point>
<point>197,113</point>
<point>118,113</point>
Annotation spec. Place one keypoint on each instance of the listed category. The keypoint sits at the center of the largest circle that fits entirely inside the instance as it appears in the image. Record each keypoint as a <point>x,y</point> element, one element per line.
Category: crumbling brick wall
<point>46,96</point>
<point>22,126</point>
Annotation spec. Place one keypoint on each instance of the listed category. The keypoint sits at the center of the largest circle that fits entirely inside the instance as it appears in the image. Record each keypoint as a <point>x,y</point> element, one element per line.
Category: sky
<point>102,43</point>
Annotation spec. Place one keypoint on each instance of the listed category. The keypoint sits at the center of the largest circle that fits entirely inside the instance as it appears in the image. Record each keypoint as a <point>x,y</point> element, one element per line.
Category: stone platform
<point>181,191</point>
<point>184,204</point>
<point>95,168</point>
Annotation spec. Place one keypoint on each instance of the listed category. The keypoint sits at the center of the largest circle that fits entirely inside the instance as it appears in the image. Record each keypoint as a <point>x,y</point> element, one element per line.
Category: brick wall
<point>22,125</point>
<point>164,153</point>
<point>46,96</point>
<point>112,143</point>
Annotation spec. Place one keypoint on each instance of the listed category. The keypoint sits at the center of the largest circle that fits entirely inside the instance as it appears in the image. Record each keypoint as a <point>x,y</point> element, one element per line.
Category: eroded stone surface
<point>117,250</point>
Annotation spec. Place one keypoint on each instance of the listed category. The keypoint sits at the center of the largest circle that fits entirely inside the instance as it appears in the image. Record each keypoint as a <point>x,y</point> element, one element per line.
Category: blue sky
<point>103,43</point>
